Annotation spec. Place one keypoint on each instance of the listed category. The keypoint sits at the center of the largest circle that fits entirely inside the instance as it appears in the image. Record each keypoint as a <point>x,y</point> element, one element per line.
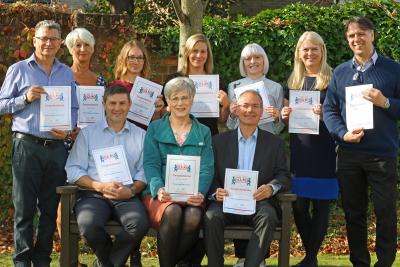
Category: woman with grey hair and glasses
<point>253,66</point>
<point>176,133</point>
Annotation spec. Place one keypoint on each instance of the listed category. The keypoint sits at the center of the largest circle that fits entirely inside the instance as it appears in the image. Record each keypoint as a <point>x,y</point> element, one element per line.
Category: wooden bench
<point>70,232</point>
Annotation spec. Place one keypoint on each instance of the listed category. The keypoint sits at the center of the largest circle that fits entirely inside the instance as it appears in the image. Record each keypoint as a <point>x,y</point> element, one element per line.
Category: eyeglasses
<point>45,39</point>
<point>247,106</point>
<point>176,100</point>
<point>135,58</point>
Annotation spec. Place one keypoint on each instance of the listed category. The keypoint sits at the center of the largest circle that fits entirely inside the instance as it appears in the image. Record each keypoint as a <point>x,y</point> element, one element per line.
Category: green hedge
<point>277,31</point>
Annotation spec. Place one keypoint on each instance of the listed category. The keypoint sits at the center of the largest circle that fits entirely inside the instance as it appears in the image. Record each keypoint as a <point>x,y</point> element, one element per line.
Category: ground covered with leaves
<point>335,242</point>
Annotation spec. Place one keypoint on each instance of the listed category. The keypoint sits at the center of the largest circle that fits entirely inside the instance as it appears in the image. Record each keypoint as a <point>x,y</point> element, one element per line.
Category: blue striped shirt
<point>19,78</point>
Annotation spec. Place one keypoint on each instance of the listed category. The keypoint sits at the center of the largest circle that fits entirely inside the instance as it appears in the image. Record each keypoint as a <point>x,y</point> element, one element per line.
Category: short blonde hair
<point>79,34</point>
<point>120,68</point>
<point>252,50</point>
<point>190,43</point>
<point>296,78</point>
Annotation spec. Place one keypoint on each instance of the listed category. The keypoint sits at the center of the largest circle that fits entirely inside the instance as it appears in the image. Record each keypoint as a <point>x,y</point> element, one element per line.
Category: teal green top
<point>160,141</point>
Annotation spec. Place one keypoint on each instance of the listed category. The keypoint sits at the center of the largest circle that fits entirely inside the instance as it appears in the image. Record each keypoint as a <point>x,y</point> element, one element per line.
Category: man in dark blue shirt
<point>367,158</point>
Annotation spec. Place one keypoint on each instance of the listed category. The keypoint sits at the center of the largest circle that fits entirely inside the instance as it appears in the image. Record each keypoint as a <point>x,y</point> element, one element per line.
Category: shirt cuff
<point>275,188</point>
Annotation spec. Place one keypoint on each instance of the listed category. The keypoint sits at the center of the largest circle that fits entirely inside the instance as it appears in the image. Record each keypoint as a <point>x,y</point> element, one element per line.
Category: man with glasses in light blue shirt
<point>248,148</point>
<point>99,201</point>
<point>38,157</point>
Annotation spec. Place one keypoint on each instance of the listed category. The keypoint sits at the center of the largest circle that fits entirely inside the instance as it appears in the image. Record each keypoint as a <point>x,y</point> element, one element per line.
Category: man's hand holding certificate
<point>182,176</point>
<point>240,186</point>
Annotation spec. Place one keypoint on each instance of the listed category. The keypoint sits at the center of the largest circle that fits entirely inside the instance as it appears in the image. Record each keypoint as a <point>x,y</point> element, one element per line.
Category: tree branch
<point>178,10</point>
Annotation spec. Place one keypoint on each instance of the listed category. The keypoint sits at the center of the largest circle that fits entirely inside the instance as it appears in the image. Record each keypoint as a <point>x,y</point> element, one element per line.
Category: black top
<point>312,155</point>
<point>211,123</point>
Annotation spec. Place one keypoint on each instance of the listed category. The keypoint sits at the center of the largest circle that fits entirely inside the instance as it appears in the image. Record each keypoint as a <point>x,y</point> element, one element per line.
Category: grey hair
<point>252,50</point>
<point>179,84</point>
<point>49,24</point>
<point>254,92</point>
<point>79,34</point>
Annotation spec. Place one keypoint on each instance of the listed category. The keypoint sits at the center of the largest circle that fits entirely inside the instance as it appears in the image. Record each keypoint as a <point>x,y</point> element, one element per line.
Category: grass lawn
<point>324,260</point>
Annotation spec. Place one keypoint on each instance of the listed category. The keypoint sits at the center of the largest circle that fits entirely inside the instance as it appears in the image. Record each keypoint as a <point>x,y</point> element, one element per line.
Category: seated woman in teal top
<point>177,133</point>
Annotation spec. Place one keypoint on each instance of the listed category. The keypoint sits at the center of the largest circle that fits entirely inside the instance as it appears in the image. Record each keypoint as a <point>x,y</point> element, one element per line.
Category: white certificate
<point>241,185</point>
<point>111,165</point>
<point>205,103</point>
<point>182,176</point>
<point>260,88</point>
<point>144,94</point>
<point>55,108</point>
<point>90,104</point>
<point>302,119</point>
<point>359,111</point>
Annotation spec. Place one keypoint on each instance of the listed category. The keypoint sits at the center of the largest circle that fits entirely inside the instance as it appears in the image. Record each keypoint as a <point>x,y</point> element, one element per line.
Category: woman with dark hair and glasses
<point>132,62</point>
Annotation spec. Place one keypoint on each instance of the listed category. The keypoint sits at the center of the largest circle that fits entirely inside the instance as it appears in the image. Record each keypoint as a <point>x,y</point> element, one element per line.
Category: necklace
<point>306,85</point>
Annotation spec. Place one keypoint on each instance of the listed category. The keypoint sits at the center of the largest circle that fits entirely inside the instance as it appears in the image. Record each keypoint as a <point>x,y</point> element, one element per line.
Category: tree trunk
<point>190,14</point>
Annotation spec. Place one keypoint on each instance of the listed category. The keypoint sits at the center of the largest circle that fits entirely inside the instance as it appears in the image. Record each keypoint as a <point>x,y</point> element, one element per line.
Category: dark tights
<point>178,233</point>
<point>312,225</point>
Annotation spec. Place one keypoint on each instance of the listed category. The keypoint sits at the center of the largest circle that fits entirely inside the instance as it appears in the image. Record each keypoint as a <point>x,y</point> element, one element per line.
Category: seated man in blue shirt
<point>98,201</point>
<point>247,148</point>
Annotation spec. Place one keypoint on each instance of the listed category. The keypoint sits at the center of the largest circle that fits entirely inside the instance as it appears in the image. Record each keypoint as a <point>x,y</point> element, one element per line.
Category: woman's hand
<point>285,113</point>
<point>163,196</point>
<point>272,111</point>
<point>317,109</point>
<point>233,108</point>
<point>196,200</point>
<point>223,99</point>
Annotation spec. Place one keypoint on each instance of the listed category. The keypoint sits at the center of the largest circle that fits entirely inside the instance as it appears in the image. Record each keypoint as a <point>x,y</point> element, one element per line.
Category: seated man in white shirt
<point>99,201</point>
<point>247,148</point>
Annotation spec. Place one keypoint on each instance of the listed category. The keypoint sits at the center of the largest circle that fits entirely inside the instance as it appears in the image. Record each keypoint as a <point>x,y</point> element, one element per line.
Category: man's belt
<point>33,139</point>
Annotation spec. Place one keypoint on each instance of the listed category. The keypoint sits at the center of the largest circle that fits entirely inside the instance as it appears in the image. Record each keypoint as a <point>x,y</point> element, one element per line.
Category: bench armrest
<point>286,197</point>
<point>67,189</point>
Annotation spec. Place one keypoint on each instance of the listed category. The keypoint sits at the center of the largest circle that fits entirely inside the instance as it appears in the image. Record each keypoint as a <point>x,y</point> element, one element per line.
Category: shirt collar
<point>32,59</point>
<point>370,61</point>
<point>241,137</point>
<point>104,126</point>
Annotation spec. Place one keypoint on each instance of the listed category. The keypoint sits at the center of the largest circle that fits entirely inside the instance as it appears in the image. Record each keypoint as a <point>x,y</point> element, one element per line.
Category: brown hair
<point>120,68</point>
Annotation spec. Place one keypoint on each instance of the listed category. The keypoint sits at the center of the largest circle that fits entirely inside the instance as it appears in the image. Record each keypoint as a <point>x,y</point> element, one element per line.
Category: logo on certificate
<point>51,96</point>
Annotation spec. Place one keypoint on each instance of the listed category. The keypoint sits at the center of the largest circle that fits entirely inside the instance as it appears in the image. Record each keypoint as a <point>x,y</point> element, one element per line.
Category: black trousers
<point>263,222</point>
<point>93,212</point>
<point>37,171</point>
<point>357,173</point>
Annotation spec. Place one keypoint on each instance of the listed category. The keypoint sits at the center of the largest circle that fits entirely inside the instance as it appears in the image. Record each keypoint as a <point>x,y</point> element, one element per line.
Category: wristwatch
<point>387,103</point>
